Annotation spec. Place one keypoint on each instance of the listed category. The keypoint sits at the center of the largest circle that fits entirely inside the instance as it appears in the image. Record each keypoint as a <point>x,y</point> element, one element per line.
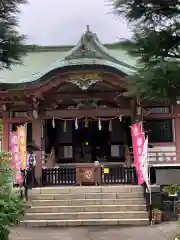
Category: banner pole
<point>23,153</point>
<point>25,169</point>
<point>149,183</point>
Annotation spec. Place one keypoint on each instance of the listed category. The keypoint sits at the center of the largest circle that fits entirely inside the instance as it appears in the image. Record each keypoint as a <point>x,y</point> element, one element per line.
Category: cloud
<point>61,22</point>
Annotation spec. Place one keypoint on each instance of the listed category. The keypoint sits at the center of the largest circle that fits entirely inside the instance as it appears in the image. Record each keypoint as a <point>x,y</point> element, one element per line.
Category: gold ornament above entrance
<point>84,80</point>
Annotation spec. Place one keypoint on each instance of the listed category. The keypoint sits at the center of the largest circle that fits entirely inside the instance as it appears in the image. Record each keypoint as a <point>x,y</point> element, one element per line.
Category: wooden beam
<point>159,116</point>
<point>113,112</point>
<point>110,96</point>
<point>69,98</point>
<point>19,120</point>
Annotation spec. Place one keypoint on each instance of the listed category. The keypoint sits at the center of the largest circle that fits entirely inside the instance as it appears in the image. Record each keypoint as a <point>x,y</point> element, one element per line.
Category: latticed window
<point>157,110</point>
<point>159,130</point>
<point>21,114</point>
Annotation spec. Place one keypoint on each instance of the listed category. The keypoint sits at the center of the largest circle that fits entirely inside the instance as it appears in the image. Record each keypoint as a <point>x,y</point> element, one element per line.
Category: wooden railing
<point>65,175</point>
<point>118,174</point>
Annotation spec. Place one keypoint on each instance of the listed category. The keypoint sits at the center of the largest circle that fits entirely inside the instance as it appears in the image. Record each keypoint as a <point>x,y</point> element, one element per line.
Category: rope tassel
<point>65,126</point>
<point>86,123</point>
<point>99,125</point>
<point>53,123</point>
<point>110,126</point>
<point>76,123</point>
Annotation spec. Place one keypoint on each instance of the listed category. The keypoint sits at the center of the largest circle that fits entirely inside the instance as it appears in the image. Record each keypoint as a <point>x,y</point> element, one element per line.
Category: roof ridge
<point>41,48</point>
<point>90,46</point>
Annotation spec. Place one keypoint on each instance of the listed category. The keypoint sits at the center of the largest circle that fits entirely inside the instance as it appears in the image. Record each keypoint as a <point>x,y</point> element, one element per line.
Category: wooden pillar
<point>36,133</point>
<point>136,112</point>
<point>5,131</point>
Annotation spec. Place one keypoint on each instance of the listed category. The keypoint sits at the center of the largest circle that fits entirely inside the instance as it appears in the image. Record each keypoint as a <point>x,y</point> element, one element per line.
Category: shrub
<point>11,204</point>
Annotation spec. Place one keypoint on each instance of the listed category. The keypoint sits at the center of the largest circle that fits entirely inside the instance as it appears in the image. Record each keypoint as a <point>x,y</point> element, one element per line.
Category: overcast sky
<point>61,22</point>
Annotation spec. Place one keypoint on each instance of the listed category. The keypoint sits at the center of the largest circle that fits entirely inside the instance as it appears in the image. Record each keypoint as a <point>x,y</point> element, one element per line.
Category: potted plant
<point>171,190</point>
<point>157,215</point>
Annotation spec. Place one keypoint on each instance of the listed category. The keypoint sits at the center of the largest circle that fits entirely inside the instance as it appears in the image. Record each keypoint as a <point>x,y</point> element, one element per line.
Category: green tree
<point>155,42</point>
<point>11,41</point>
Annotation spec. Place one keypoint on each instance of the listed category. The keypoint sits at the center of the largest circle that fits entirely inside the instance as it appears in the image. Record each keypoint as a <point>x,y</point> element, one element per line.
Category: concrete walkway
<point>158,232</point>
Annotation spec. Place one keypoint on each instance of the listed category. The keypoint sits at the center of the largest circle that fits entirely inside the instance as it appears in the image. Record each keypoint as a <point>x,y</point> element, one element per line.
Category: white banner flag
<point>144,163</point>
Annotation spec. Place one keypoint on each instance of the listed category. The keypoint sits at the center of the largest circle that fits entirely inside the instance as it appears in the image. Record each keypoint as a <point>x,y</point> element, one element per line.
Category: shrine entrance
<point>87,140</point>
<point>91,142</point>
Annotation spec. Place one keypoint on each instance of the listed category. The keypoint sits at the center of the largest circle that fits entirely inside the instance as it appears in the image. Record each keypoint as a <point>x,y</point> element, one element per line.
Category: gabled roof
<point>88,51</point>
<point>90,47</point>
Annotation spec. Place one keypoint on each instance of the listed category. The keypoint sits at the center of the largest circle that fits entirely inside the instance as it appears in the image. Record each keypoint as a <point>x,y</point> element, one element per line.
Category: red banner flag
<point>16,164</point>
<point>138,139</point>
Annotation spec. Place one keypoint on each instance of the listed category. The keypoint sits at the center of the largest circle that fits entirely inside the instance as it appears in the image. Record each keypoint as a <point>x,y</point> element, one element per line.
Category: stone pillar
<point>36,133</point>
<point>5,131</point>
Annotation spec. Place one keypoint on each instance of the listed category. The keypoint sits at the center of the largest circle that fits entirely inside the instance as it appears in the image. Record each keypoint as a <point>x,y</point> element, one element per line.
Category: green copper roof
<point>88,51</point>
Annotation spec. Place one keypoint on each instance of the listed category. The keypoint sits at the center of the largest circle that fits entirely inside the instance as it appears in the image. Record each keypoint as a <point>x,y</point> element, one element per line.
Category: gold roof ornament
<point>85,80</point>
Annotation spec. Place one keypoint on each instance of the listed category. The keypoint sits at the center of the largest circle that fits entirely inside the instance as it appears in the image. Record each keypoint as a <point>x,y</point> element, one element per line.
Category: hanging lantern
<point>65,126</point>
<point>53,123</point>
<point>99,125</point>
<point>76,123</point>
<point>110,126</point>
<point>86,123</point>
<point>120,118</point>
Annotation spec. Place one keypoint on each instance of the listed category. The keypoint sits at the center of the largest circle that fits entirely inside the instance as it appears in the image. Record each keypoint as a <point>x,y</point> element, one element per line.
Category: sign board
<point>106,170</point>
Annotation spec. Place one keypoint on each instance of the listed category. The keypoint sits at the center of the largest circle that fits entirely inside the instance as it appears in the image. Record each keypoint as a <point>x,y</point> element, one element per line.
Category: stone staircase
<point>87,206</point>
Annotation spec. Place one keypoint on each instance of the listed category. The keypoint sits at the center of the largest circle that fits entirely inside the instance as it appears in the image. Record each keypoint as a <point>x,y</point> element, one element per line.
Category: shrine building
<point>77,105</point>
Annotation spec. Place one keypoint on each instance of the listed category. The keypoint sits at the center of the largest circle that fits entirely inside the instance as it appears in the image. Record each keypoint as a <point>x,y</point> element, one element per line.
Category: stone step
<point>87,196</point>
<point>93,205</point>
<point>87,215</point>
<point>86,208</point>
<point>89,189</point>
<point>82,202</point>
<point>86,222</point>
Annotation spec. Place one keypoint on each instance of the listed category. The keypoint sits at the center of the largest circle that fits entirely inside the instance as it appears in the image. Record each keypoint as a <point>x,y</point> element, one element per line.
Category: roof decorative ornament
<point>85,47</point>
<point>87,28</point>
<point>85,81</point>
<point>90,49</point>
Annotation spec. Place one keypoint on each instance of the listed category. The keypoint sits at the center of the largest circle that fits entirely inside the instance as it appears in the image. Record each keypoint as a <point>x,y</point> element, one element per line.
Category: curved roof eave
<point>73,62</point>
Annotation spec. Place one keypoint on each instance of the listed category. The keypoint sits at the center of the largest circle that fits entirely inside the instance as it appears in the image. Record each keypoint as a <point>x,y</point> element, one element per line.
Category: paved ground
<point>157,232</point>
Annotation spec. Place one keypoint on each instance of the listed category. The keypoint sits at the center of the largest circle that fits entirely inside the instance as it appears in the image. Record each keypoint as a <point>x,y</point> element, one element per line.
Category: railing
<point>65,175</point>
<point>148,202</point>
<point>118,174</point>
<point>23,187</point>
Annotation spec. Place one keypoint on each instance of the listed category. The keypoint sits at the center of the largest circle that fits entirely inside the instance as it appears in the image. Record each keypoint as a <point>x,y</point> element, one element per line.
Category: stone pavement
<point>156,232</point>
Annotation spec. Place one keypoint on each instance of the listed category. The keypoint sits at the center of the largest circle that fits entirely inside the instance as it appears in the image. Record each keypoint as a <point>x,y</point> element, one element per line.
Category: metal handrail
<point>148,202</point>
